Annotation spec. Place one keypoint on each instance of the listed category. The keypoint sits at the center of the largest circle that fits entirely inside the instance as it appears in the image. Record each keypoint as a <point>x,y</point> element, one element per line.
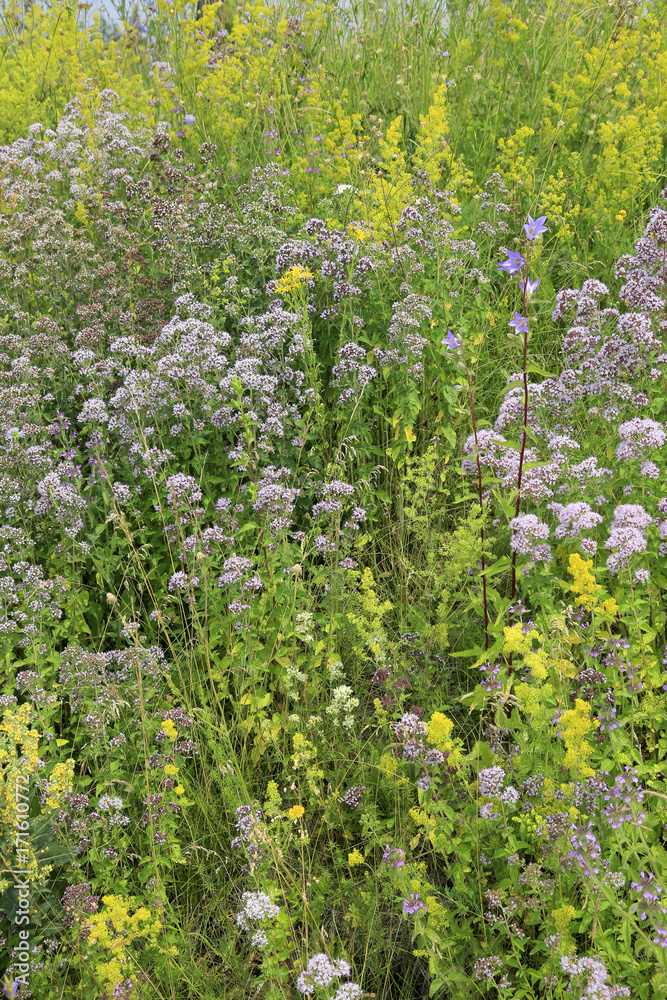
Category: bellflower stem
<point>481,502</point>
<point>523,441</point>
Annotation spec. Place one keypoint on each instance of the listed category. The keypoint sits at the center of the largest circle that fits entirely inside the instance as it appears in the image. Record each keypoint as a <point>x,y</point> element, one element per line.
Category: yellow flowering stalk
<point>293,280</point>
<point>439,734</point>
<point>516,641</point>
<point>575,724</point>
<point>367,618</point>
<point>432,151</point>
<point>17,768</point>
<point>61,780</point>
<point>169,729</point>
<point>114,930</point>
<point>273,803</point>
<point>585,586</point>
<point>305,756</point>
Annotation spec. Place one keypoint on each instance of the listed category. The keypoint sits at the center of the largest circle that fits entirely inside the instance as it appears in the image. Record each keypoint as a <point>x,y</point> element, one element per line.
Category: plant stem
<point>523,444</point>
<point>481,502</point>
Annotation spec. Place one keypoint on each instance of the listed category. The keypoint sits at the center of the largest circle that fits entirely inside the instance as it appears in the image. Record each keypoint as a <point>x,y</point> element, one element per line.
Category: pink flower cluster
<point>627,535</point>
<point>528,537</point>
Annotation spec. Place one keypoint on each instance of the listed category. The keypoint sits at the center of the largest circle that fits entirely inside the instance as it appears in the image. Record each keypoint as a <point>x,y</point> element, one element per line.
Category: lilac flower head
<point>510,796</point>
<point>535,227</point>
<point>353,796</point>
<point>621,799</point>
<point>650,902</point>
<point>349,991</point>
<point>321,971</point>
<point>413,904</point>
<point>409,725</point>
<point>450,341</point>
<point>585,849</point>
<point>256,906</point>
<point>639,436</point>
<point>627,535</point>
<point>513,264</point>
<point>520,323</point>
<point>573,518</point>
<point>394,856</point>
<point>190,120</point>
<point>528,534</point>
<point>593,973</point>
<point>491,781</point>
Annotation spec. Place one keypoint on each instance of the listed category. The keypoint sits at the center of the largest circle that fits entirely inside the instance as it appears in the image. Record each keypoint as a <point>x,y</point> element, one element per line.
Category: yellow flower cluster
<point>432,152</point>
<point>16,731</point>
<point>563,916</point>
<point>115,929</point>
<point>60,783</point>
<point>439,730</point>
<point>273,803</point>
<point>305,756</point>
<point>516,641</point>
<point>359,231</point>
<point>515,164</point>
<point>586,588</point>
<point>169,729</point>
<point>368,618</point>
<point>533,696</point>
<point>16,725</point>
<point>575,725</point>
<point>583,582</point>
<point>293,280</point>
<point>391,192</point>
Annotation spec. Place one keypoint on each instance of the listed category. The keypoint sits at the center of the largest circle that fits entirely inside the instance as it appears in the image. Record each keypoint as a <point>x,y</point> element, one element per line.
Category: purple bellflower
<point>535,227</point>
<point>513,263</point>
<point>450,341</point>
<point>528,286</point>
<point>520,323</point>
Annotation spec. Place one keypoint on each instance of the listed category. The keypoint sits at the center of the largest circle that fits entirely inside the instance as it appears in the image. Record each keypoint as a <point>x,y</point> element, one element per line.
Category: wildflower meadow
<point>333,500</point>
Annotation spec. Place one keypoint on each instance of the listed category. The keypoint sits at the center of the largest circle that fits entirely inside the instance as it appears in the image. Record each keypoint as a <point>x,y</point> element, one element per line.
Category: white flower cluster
<point>321,971</point>
<point>593,981</point>
<point>491,781</point>
<point>113,805</point>
<point>108,802</point>
<point>294,676</point>
<point>259,940</point>
<point>343,704</point>
<point>304,626</point>
<point>335,669</point>
<point>256,906</point>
